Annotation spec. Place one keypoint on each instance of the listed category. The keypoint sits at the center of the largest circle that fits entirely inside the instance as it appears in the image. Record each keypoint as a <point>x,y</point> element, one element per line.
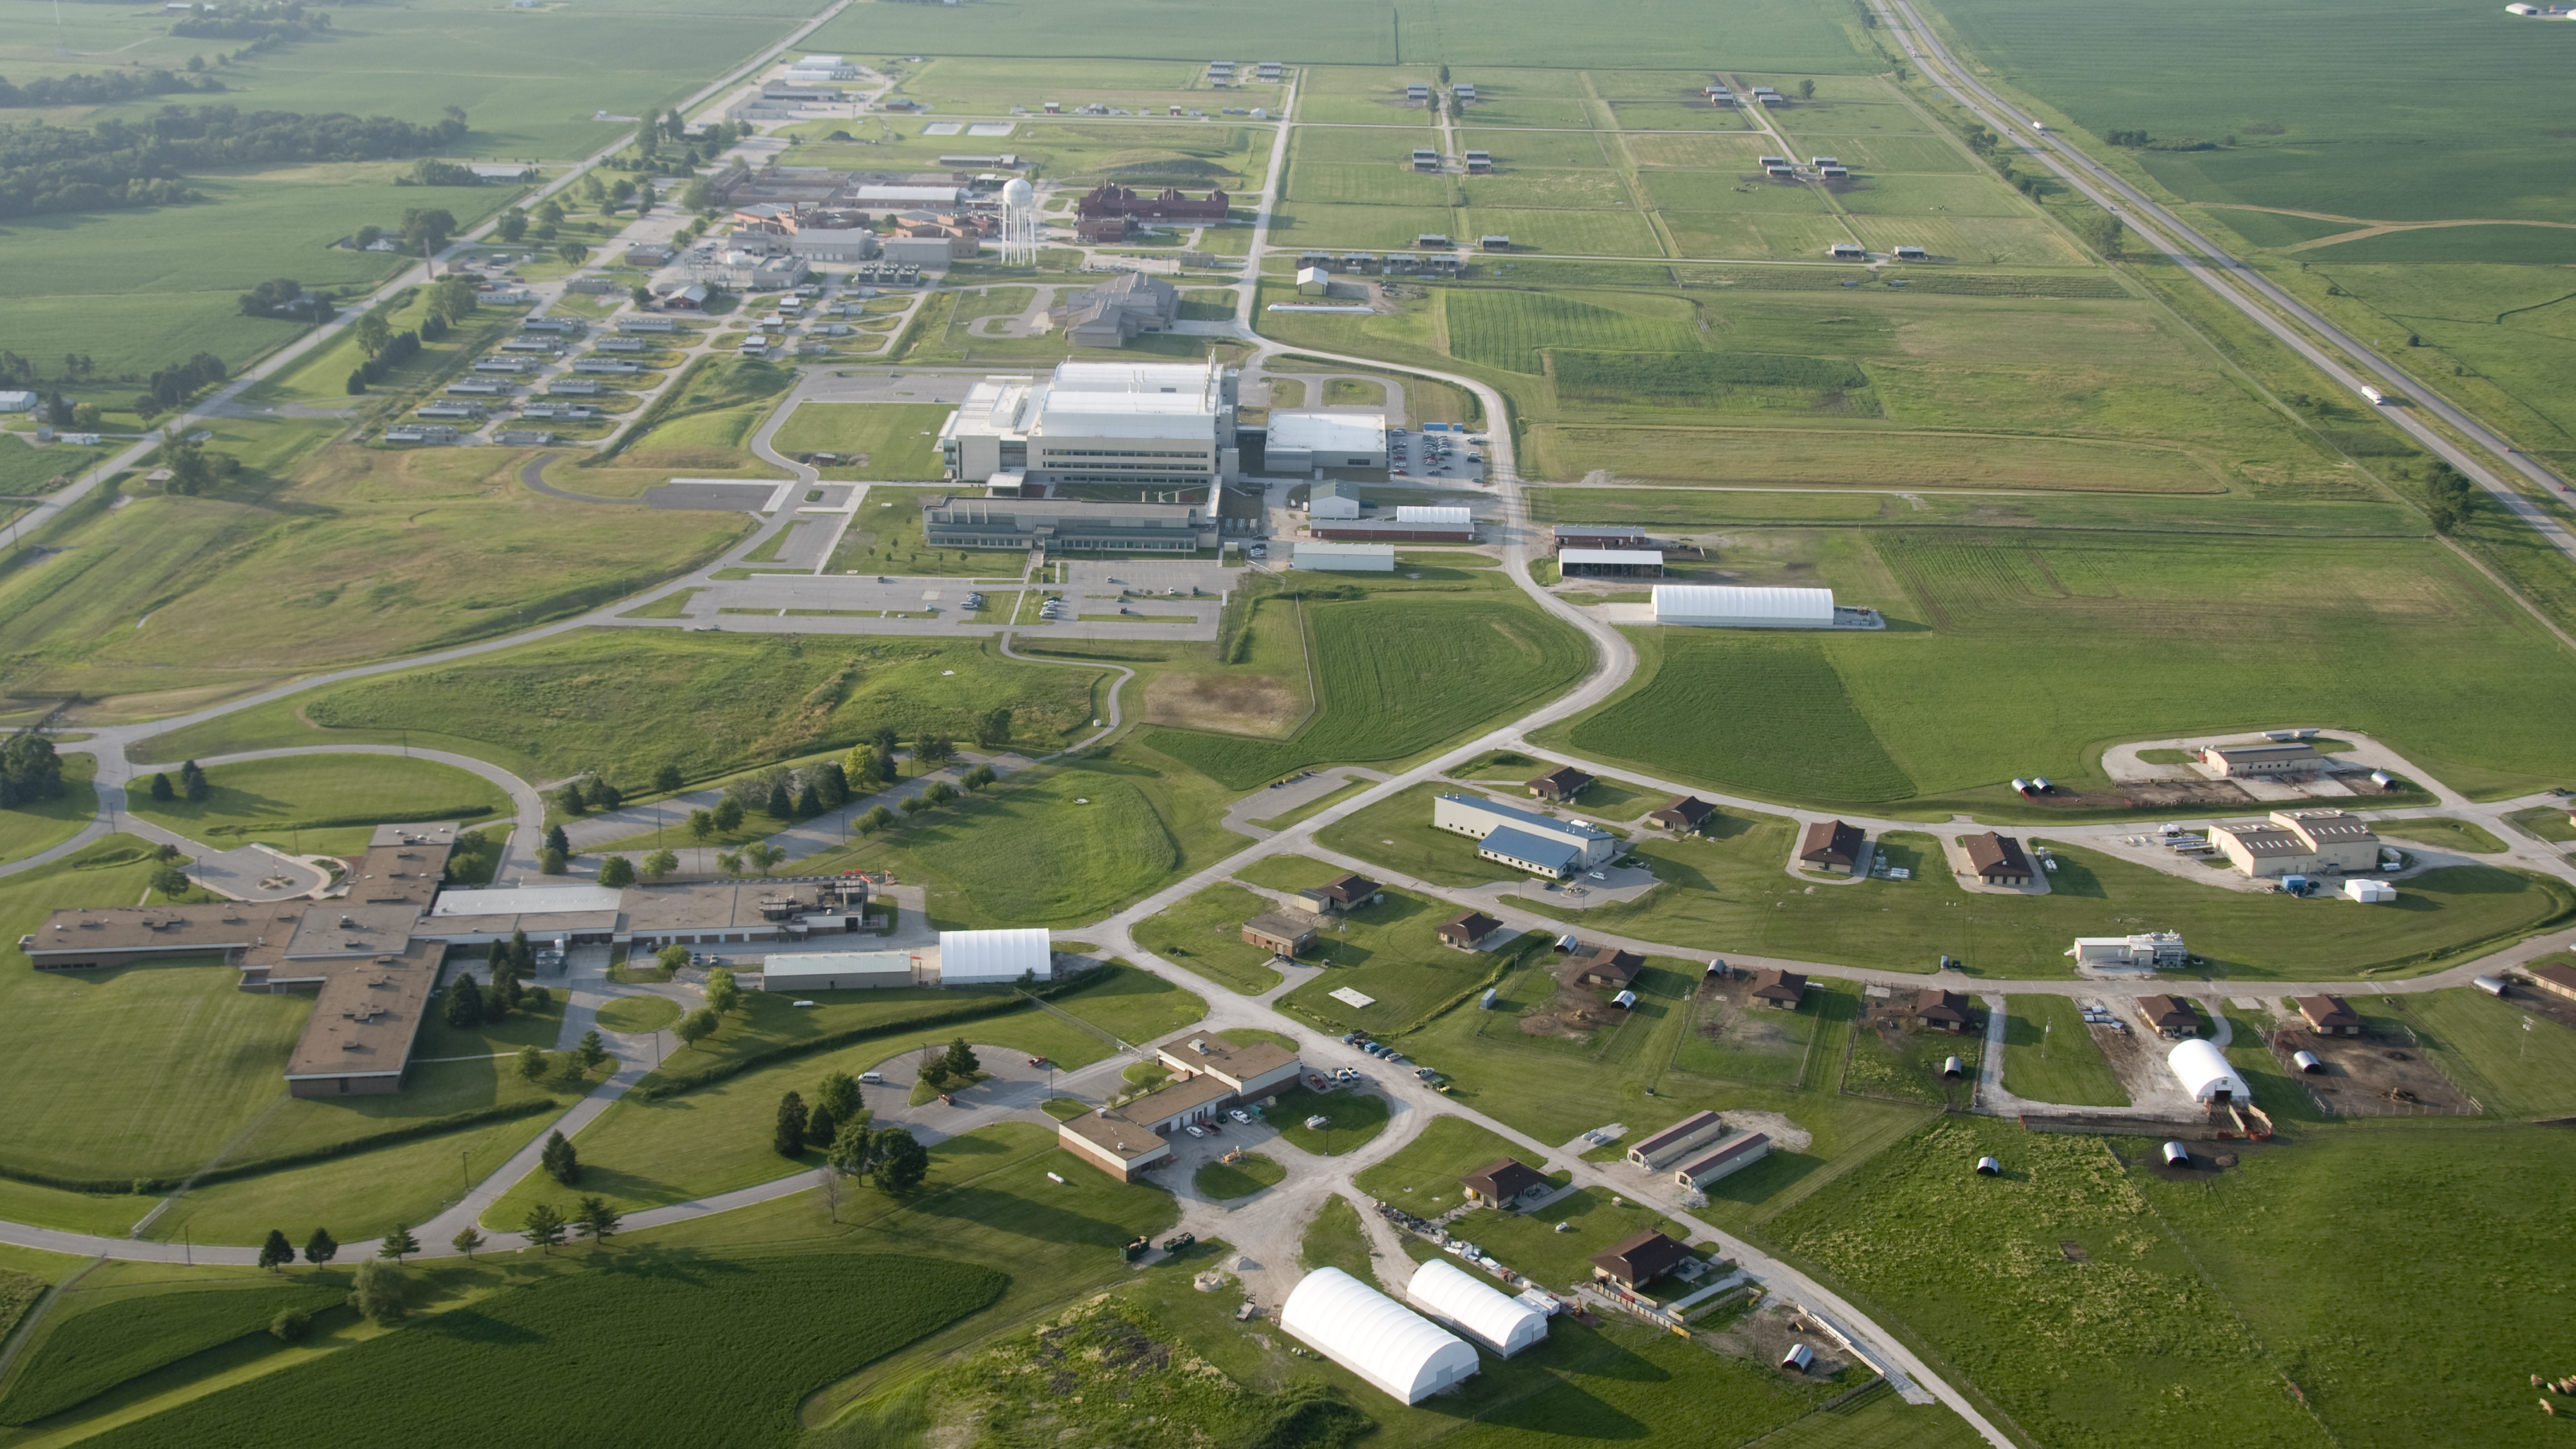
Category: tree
<point>428,229</point>
<point>466,1241</point>
<point>596,1220</point>
<point>961,1060</point>
<point>573,253</point>
<point>617,870</point>
<point>290,1325</point>
<point>723,992</point>
<point>672,957</point>
<point>932,1069</point>
<point>728,816</point>
<point>853,1152</point>
<point>729,861</point>
<point>2446,497</point>
<point>572,799</point>
<point>560,1160</point>
<point>550,212</point>
<point>556,840</point>
<point>605,796</point>
<point>321,1248</point>
<point>192,781</point>
<point>514,225</point>
<point>1806,90</point>
<point>820,1126</point>
<point>660,863</point>
<point>901,1163</point>
<point>592,1050</point>
<point>532,1062</point>
<point>373,333</point>
<point>838,1093</point>
<point>764,857</point>
<point>276,1252</point>
<point>832,784</point>
<point>551,861</point>
<point>809,802</point>
<point>993,727</point>
<point>377,1291</point>
<point>789,1139</point>
<point>935,749</point>
<point>917,804</point>
<point>544,1227</point>
<point>399,1244</point>
<point>464,1001</point>
<point>2104,233</point>
<point>877,818</point>
<point>170,880</point>
<point>780,807</point>
<point>940,792</point>
<point>702,824</point>
<point>666,776</point>
<point>695,1027</point>
<point>979,777</point>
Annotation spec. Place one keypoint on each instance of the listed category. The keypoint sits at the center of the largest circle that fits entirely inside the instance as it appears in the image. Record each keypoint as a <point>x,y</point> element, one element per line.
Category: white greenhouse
<point>2204,1072</point>
<point>1475,1308</point>
<point>1374,1336</point>
<point>1727,607</point>
<point>988,958</point>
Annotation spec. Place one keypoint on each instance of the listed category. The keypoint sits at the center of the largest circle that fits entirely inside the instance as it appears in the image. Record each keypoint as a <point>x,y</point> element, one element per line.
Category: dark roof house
<point>1685,815</point>
<point>1502,1183</point>
<point>1640,1260</point>
<point>1830,845</point>
<point>2170,1015</point>
<point>1946,1010</point>
<point>1466,930</point>
<point>1773,987</point>
<point>1560,784</point>
<point>1997,859</point>
<point>1349,893</point>
<point>2329,1015</point>
<point>1609,968</point>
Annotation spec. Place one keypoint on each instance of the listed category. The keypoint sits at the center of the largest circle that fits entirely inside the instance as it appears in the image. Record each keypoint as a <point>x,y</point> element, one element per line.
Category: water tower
<point>1019,224</point>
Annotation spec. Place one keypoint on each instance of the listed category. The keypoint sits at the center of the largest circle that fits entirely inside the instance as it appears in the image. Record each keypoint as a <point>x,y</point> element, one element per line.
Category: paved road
<point>2327,347</point>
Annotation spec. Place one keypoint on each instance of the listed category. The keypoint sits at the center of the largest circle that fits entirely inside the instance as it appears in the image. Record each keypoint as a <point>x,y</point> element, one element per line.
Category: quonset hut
<point>1375,1337</point>
<point>1468,1304</point>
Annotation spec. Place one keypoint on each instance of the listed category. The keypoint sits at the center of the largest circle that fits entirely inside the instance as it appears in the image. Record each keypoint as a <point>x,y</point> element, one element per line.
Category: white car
<point>1194,1129</point>
<point>1596,875</point>
<point>1241,1116</point>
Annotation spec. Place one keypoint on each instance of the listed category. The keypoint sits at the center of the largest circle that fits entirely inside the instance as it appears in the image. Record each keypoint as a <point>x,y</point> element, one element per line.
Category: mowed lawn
<point>2050,1055</point>
<point>899,440</point>
<point>1388,952</point>
<point>1204,934</point>
<point>1991,667</point>
<point>319,804</point>
<point>2516,1062</point>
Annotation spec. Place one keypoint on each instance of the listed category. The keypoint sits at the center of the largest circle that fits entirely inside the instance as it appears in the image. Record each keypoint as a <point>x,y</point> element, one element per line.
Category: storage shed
<point>1727,606</point>
<point>986,958</point>
<point>1297,441</point>
<point>1389,1345</point>
<point>1611,563</point>
<point>1471,1306</point>
<point>2205,1074</point>
<point>1346,558</point>
<point>837,970</point>
<point>2177,1155</point>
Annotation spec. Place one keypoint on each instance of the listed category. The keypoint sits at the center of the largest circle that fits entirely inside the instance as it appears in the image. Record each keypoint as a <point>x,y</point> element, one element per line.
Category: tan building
<point>1776,988</point>
<point>1830,846</point>
<point>2241,761</point>
<point>2300,842</point>
<point>1997,859</point>
<point>364,1022</point>
<point>1941,1010</point>
<point>1279,935</point>
<point>1216,1076</point>
<point>1466,930</point>
<point>1252,1072</point>
<point>2170,1015</point>
<point>1501,1184</point>
<point>1640,1261</point>
<point>2556,980</point>
<point>2328,1015</point>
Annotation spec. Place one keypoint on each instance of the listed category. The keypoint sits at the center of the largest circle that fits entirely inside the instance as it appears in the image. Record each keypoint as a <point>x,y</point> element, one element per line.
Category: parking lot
<point>1437,457</point>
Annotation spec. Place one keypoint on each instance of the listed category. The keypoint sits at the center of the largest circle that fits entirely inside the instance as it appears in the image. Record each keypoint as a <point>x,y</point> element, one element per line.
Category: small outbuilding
<point>1608,969</point>
<point>1503,1183</point>
<point>2177,1155</point>
<point>1997,859</point>
<point>1610,563</point>
<point>1832,846</point>
<point>1797,1359</point>
<point>1640,1261</point>
<point>1464,931</point>
<point>2307,1062</point>
<point>1468,1305</point>
<point>1280,935</point>
<point>1349,893</point>
<point>1730,1156</point>
<point>1784,990</point>
<point>1560,785</point>
<point>1656,1152</point>
<point>2556,980</point>
<point>1395,1349</point>
<point>1990,1167</point>
<point>2328,1015</point>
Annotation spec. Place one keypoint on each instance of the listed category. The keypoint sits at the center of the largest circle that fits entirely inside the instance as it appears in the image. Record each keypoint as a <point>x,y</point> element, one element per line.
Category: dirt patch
<point>1249,704</point>
<point>2541,1003</point>
<point>2373,1075</point>
<point>2148,795</point>
<point>1764,1337</point>
<point>1573,1014</point>
<point>1785,1135</point>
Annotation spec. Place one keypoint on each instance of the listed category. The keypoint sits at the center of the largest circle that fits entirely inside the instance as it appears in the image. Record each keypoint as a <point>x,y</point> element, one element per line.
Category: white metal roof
<point>809,966</point>
<point>1726,601</point>
<point>1329,432</point>
<point>969,958</point>
<point>1375,1337</point>
<point>2204,1071</point>
<point>528,901</point>
<point>1320,554</point>
<point>1462,517</point>
<point>1612,557</point>
<point>903,194</point>
<point>1473,1307</point>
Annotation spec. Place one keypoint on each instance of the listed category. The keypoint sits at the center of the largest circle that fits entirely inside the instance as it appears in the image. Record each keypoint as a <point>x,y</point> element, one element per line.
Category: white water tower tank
<point>1019,223</point>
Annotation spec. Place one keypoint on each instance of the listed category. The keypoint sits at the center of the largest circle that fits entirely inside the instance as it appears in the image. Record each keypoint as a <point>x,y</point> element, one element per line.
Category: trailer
<point>2377,398</point>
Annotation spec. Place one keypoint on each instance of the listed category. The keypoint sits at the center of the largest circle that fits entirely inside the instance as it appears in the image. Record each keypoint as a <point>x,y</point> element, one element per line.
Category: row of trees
<point>118,163</point>
<point>192,785</point>
<point>170,387</point>
<point>470,1005</point>
<point>104,88</point>
<point>283,297</point>
<point>279,20</point>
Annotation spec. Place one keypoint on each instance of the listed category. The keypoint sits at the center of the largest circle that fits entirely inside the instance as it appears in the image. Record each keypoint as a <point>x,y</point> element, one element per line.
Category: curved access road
<point>2338,355</point>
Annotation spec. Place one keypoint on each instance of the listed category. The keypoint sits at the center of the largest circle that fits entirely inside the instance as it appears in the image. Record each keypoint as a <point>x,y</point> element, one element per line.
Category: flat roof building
<point>1610,563</point>
<point>1151,424</point>
<point>1729,1157</point>
<point>1347,558</point>
<point>840,970</point>
<point>1711,606</point>
<point>1067,525</point>
<point>2150,950</point>
<point>2300,842</point>
<point>1301,440</point>
<point>1251,1070</point>
<point>1667,1146</point>
<point>1279,935</point>
<point>1569,535</point>
<point>1529,841</point>
<point>2239,761</point>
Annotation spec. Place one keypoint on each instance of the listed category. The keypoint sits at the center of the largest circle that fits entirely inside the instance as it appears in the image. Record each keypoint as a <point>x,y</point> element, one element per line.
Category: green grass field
<point>1203,934</point>
<point>321,804</point>
<point>1869,717</point>
<point>35,826</point>
<point>2463,836</point>
<point>2050,1055</point>
<point>1227,1181</point>
<point>2515,1062</point>
<point>1388,952</point>
<point>1424,1173</point>
<point>1335,1239</point>
<point>1760,1046</point>
<point>1397,832</point>
<point>1373,656</point>
<point>1352,1119</point>
<point>636,1014</point>
<point>899,440</point>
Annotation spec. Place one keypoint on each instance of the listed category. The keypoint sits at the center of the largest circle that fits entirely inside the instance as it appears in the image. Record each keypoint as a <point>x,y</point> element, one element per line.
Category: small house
<point>1349,893</point>
<point>1501,1184</point>
<point>1561,785</point>
<point>1997,859</point>
<point>2170,1015</point>
<point>1831,846</point>
<point>1783,990</point>
<point>1494,242</point>
<point>1279,935</point>
<point>1639,1261</point>
<point>2328,1015</point>
<point>1608,969</point>
<point>1466,930</point>
<point>1938,1010</point>
<point>1684,816</point>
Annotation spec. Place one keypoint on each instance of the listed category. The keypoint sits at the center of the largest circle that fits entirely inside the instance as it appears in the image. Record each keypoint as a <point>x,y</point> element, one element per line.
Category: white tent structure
<point>988,958</point>
<point>1372,1335</point>
<point>1470,1305</point>
<point>2204,1072</point>
<point>1727,607</point>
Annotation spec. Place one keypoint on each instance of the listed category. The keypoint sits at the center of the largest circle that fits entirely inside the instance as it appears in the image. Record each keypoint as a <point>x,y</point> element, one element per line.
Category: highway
<point>2333,351</point>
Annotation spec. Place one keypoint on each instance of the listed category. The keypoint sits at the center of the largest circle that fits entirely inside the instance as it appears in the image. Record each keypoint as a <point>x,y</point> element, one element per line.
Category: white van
<point>873,1079</point>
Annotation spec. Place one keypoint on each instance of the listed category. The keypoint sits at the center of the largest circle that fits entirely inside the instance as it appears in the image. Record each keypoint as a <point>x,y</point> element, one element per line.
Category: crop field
<point>321,804</point>
<point>2132,1346</point>
<point>2050,1055</point>
<point>87,1348</point>
<point>622,701</point>
<point>811,1315</point>
<point>1376,184</point>
<point>900,440</point>
<point>2386,1364</point>
<point>1611,231</point>
<point>1388,952</point>
<point>1376,655</point>
<point>1999,608</point>
<point>1203,934</point>
<point>1534,187</point>
<point>1513,150</point>
<point>1508,329</point>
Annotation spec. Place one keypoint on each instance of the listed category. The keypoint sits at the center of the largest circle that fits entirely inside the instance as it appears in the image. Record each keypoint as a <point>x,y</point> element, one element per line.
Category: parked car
<point>1178,1241</point>
<point>1240,1115</point>
<point>873,1079</point>
<point>1194,1129</point>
